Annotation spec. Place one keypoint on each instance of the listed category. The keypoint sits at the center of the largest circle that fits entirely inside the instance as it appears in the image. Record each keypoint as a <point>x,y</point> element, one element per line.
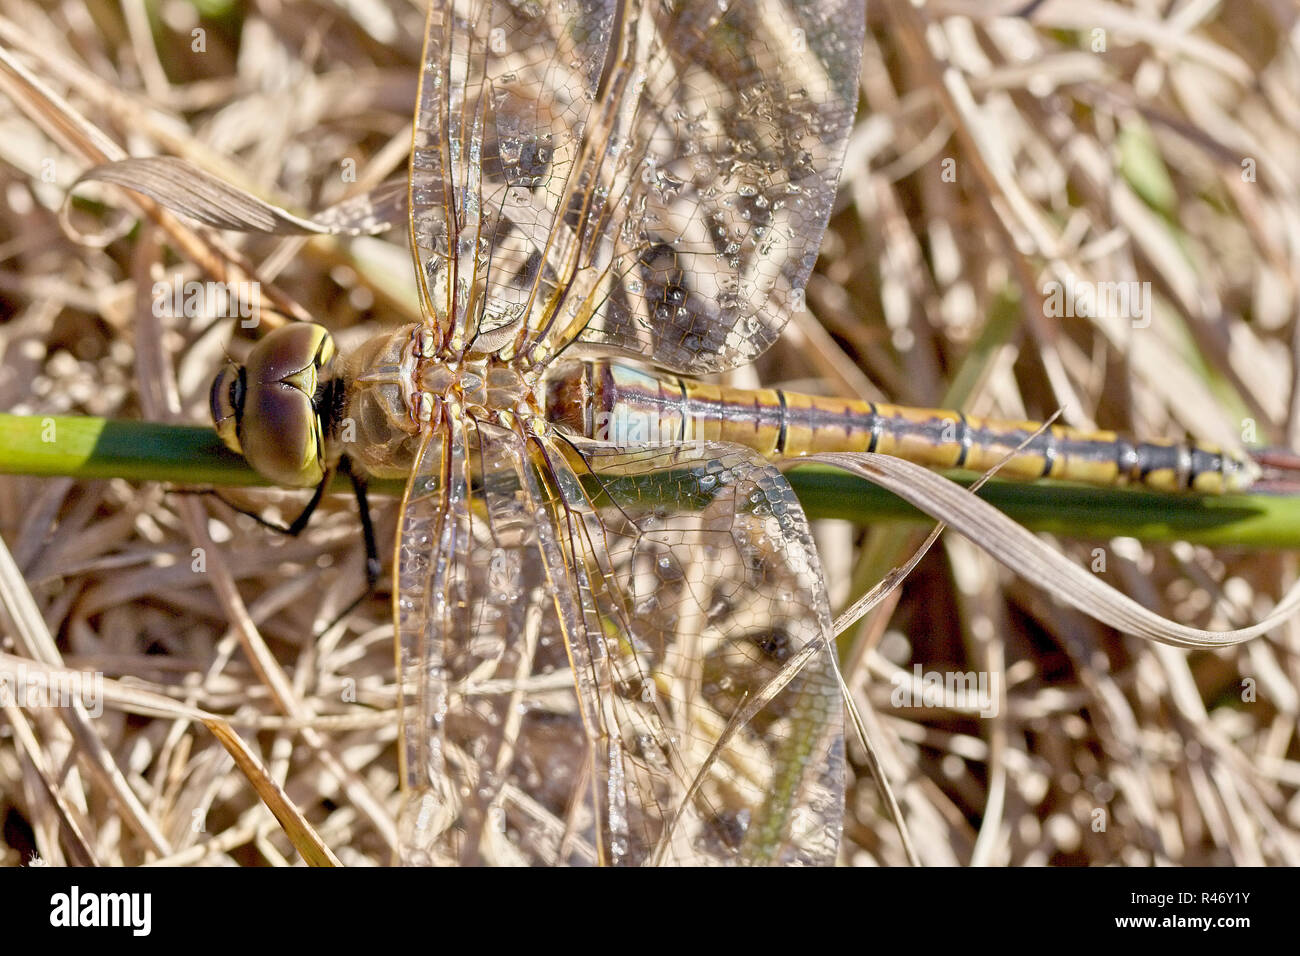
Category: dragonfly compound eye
<point>267,408</point>
<point>227,403</point>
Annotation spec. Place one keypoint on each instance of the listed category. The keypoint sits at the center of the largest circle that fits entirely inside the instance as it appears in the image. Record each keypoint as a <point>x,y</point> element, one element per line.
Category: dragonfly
<point>612,629</point>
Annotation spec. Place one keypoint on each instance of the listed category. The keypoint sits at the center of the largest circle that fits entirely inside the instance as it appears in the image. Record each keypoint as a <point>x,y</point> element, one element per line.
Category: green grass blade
<point>1242,521</point>
<point>95,448</point>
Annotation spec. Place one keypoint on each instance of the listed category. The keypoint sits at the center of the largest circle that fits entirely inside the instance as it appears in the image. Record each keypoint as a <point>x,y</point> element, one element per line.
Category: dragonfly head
<point>275,408</point>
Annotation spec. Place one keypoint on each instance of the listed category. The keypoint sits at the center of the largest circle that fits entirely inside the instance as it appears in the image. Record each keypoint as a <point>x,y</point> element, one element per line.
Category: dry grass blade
<point>1037,561</point>
<point>54,114</point>
<point>78,848</point>
<point>58,119</point>
<point>23,615</point>
<point>896,576</point>
<point>300,832</point>
<point>137,701</point>
<point>196,194</point>
<point>34,638</point>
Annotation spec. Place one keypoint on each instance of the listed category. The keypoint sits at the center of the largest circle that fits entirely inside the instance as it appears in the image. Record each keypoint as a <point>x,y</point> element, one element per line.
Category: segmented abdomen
<point>619,403</point>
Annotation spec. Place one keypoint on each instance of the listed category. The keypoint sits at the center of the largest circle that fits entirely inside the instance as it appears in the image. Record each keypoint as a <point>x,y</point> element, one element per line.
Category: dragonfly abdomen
<point>624,404</point>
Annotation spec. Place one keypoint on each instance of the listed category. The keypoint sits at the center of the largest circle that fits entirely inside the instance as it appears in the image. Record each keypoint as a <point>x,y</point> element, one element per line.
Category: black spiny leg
<point>367,526</point>
<point>294,528</point>
<point>368,533</point>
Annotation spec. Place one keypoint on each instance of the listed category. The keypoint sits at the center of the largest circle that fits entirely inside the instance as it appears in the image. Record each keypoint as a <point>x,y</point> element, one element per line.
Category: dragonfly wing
<point>497,758</point>
<point>725,176</point>
<point>582,630</point>
<point>641,179</point>
<point>429,565</point>
<point>504,95</point>
<point>703,598</point>
<point>483,665</point>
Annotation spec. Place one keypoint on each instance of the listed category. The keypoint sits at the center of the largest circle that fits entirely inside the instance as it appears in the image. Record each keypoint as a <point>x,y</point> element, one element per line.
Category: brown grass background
<point>1157,142</point>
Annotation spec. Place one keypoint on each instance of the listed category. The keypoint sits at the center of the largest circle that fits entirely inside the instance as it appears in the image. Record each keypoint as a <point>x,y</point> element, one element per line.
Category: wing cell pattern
<point>614,654</point>
<point>588,625</point>
<point>643,179</point>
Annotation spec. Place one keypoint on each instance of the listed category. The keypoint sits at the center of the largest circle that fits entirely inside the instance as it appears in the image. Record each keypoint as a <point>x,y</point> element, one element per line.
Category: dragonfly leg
<point>294,528</point>
<point>358,480</point>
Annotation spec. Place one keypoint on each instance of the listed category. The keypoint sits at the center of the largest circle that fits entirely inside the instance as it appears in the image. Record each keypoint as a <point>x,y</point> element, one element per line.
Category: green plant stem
<point>94,448</point>
<point>1243,520</point>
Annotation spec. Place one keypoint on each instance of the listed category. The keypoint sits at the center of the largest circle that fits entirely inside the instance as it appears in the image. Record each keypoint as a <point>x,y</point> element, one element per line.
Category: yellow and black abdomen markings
<point>779,424</point>
<point>942,438</point>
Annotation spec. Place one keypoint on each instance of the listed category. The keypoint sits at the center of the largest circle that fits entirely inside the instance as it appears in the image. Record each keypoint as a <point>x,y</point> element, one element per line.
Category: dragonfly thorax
<point>485,387</point>
<point>397,384</point>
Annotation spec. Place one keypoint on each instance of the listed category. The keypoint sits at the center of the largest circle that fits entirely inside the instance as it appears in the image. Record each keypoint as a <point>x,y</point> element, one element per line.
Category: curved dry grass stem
<point>1037,561</point>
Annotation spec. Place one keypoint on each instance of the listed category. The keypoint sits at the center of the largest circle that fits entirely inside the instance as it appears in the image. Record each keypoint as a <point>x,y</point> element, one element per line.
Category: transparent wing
<point>504,95</point>
<point>584,629</point>
<point>642,179</point>
<point>700,584</point>
<point>722,176</point>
